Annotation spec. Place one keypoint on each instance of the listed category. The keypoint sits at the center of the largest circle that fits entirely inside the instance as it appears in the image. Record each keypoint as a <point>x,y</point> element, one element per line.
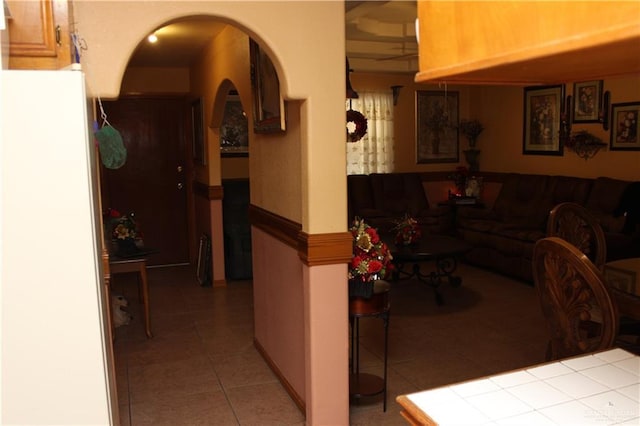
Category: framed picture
<point>542,112</point>
<point>197,132</point>
<point>234,131</point>
<point>268,105</point>
<point>436,127</point>
<point>587,101</point>
<point>625,127</point>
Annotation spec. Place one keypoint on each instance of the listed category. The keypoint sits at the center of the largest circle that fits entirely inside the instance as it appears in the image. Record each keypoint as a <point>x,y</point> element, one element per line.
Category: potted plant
<point>471,129</point>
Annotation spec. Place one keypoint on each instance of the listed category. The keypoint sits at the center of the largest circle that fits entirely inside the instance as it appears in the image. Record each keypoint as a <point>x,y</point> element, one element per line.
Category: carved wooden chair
<point>580,312</point>
<point>573,223</point>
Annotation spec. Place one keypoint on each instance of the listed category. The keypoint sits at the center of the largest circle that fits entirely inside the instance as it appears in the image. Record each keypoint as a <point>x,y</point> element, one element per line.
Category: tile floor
<point>201,368</point>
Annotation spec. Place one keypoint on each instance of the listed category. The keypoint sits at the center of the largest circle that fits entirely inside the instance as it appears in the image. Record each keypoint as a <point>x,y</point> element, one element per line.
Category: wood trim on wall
<point>297,399</point>
<point>325,249</point>
<point>213,192</point>
<point>313,250</point>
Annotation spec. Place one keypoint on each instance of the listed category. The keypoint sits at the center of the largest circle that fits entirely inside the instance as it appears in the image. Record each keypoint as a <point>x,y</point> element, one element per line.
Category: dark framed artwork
<point>268,105</point>
<point>197,132</point>
<point>587,101</point>
<point>625,127</point>
<point>437,127</point>
<point>234,131</point>
<point>543,107</point>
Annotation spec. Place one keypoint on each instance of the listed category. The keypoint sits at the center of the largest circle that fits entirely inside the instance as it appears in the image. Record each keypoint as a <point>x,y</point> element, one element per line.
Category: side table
<point>378,306</point>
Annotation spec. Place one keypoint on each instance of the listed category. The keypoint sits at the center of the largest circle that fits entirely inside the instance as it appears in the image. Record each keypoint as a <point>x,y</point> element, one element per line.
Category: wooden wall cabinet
<point>39,34</point>
<point>527,42</point>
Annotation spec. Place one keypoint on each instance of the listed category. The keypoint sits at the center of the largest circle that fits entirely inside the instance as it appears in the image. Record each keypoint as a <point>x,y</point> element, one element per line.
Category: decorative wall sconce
<point>396,94</point>
<point>584,144</point>
<point>604,111</point>
<point>565,121</point>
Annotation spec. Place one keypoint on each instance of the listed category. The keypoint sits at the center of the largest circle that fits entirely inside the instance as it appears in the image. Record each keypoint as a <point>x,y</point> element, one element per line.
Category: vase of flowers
<point>371,259</point>
<point>124,232</point>
<point>471,129</point>
<point>408,231</point>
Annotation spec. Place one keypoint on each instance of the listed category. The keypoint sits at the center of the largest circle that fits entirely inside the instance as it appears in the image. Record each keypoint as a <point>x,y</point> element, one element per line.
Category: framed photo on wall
<point>437,127</point>
<point>268,105</point>
<point>587,101</point>
<point>197,132</point>
<point>542,113</point>
<point>625,127</point>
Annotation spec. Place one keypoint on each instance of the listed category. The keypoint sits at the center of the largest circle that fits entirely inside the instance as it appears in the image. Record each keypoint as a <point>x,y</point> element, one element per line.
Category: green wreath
<point>360,122</point>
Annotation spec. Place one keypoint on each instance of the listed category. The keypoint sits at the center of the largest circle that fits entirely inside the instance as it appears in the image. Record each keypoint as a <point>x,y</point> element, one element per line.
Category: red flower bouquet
<point>371,257</point>
<point>407,231</point>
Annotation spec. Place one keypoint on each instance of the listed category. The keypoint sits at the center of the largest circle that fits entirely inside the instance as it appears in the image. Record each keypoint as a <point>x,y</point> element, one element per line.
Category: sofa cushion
<point>522,200</point>
<point>604,201</point>
<point>359,195</point>
<point>399,193</point>
<point>569,189</point>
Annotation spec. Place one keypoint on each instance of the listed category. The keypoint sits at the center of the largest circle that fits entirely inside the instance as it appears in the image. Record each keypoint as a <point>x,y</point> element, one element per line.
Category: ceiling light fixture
<point>153,38</point>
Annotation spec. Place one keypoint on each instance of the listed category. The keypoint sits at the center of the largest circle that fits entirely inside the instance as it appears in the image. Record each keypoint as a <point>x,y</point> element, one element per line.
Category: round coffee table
<point>443,250</point>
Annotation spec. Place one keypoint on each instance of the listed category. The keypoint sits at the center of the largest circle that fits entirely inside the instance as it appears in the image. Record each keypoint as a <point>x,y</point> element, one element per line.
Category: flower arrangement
<point>371,257</point>
<point>356,126</point>
<point>407,231</point>
<point>123,227</point>
<point>471,129</point>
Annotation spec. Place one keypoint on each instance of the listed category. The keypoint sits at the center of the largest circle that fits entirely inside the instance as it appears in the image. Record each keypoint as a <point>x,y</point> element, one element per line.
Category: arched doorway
<point>298,186</point>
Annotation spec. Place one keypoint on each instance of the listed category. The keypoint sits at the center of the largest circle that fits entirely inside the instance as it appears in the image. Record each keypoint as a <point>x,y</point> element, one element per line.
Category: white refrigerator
<point>56,357</point>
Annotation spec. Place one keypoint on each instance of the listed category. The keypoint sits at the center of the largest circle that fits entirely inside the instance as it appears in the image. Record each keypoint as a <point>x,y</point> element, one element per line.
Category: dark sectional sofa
<point>384,198</point>
<point>504,232</point>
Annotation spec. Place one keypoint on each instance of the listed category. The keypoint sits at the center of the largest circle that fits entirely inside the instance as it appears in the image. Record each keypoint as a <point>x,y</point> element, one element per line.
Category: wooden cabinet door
<point>39,34</point>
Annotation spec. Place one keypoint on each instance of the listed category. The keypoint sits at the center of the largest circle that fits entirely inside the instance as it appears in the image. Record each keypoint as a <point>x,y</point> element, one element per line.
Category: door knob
<point>179,169</point>
<point>180,185</point>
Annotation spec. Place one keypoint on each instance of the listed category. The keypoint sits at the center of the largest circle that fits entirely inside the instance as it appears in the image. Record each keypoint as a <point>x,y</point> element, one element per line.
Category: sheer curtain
<point>374,152</point>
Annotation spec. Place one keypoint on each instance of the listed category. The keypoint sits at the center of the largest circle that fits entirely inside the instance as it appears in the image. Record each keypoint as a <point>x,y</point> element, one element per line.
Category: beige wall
<point>500,109</point>
<point>144,80</point>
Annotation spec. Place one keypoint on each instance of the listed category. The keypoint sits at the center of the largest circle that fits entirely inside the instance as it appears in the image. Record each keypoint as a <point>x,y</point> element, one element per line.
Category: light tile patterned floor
<point>201,367</point>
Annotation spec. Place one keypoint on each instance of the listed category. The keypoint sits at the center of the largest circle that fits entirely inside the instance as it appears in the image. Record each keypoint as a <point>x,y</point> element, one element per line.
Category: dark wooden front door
<point>152,182</point>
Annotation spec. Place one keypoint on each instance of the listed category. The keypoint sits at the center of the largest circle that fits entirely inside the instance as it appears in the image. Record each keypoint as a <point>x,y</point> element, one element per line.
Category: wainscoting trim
<point>213,192</point>
<point>313,250</point>
<point>287,386</point>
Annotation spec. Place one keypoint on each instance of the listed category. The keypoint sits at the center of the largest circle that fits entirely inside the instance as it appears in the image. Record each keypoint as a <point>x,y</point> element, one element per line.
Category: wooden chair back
<point>573,223</point>
<point>580,313</point>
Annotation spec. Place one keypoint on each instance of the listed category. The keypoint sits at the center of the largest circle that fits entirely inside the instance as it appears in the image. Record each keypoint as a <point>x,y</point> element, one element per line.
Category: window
<point>374,152</point>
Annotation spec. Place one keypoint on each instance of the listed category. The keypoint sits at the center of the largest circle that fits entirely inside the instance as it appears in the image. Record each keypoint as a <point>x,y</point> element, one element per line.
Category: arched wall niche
<point>217,113</point>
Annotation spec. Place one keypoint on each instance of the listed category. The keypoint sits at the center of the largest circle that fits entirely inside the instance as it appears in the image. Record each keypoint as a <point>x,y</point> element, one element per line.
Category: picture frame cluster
<point>549,115</point>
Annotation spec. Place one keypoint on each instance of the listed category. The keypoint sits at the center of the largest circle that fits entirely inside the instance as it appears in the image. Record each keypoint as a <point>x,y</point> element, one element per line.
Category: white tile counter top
<point>596,389</point>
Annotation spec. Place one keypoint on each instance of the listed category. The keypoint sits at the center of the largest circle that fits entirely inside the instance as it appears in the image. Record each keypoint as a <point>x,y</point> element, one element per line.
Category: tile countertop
<point>596,389</point>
